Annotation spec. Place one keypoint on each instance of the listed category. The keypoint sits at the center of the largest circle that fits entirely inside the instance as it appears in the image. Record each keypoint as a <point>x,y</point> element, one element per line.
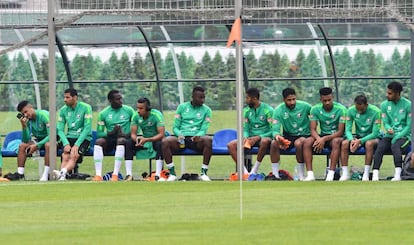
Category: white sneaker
<point>204,177</point>
<point>172,178</point>
<point>365,177</point>
<point>375,175</point>
<point>62,177</point>
<point>56,174</point>
<point>344,177</point>
<point>162,179</point>
<point>396,178</point>
<point>44,178</point>
<point>330,175</point>
<point>310,177</point>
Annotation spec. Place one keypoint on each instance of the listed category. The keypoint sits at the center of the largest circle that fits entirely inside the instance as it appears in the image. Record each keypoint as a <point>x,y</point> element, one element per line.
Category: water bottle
<point>181,141</point>
<point>296,174</point>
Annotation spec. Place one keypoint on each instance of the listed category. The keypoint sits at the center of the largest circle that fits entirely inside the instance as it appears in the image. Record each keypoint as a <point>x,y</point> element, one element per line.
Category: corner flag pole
<point>235,35</point>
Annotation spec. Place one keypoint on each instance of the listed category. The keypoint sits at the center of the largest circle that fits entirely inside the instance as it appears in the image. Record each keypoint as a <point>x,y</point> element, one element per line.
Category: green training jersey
<point>328,121</point>
<point>367,124</point>
<point>293,122</point>
<point>78,122</point>
<point>149,126</point>
<point>192,120</point>
<point>258,121</point>
<point>109,117</point>
<point>38,128</point>
<point>397,116</point>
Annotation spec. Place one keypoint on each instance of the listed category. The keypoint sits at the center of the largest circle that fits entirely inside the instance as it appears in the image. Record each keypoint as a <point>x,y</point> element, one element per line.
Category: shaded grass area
<point>206,213</point>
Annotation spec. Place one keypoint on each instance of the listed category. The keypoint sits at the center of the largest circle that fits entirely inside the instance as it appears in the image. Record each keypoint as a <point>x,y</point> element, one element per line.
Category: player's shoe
<point>172,178</point>
<point>204,177</point>
<point>14,176</point>
<point>129,178</point>
<point>114,177</point>
<point>310,177</point>
<point>97,178</point>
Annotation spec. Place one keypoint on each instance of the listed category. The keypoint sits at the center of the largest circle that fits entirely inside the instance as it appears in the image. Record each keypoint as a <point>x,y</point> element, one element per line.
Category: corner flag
<point>235,33</point>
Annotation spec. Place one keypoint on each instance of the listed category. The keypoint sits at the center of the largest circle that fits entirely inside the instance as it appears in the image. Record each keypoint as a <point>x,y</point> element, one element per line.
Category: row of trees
<point>135,76</point>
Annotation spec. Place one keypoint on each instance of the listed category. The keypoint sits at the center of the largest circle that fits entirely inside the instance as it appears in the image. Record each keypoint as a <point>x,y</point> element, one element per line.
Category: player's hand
<point>196,138</point>
<point>355,144</point>
<point>283,142</point>
<point>318,145</point>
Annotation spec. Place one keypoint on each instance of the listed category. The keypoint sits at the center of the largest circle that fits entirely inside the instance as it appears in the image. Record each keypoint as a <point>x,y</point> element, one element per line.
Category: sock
<point>63,171</point>
<point>245,170</point>
<point>275,169</point>
<point>128,167</point>
<point>45,172</point>
<point>367,168</point>
<point>98,158</point>
<point>345,170</point>
<point>158,167</point>
<point>171,168</point>
<point>255,167</point>
<point>204,169</point>
<point>20,170</point>
<point>398,172</point>
<point>119,156</point>
<point>301,169</point>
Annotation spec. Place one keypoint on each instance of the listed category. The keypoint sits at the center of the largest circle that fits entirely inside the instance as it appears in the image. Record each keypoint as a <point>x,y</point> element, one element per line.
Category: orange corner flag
<point>235,33</point>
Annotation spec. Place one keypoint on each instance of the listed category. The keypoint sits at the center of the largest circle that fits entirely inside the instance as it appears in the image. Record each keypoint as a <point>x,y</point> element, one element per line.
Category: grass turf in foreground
<point>206,213</point>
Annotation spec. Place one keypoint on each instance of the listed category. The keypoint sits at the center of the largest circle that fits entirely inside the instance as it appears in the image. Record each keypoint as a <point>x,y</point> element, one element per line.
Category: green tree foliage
<point>115,73</point>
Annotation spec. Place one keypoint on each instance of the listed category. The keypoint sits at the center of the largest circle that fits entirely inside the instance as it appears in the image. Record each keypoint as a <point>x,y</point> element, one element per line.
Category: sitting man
<point>113,132</point>
<point>367,121</point>
<point>256,130</point>
<point>35,133</point>
<point>331,117</point>
<point>292,117</point>
<point>151,124</point>
<point>192,120</point>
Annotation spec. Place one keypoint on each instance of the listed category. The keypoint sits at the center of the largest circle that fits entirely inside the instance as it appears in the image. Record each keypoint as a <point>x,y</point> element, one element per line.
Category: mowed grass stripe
<point>207,213</point>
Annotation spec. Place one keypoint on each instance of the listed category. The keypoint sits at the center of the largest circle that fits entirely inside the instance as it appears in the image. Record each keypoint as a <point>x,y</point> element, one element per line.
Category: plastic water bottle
<point>296,174</point>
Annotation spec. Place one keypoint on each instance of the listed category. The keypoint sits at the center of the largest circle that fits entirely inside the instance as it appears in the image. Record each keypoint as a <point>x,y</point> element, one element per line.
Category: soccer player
<point>366,119</point>
<point>76,117</point>
<point>331,117</point>
<point>192,120</point>
<point>256,130</point>
<point>35,134</point>
<point>396,118</point>
<point>290,122</point>
<point>151,124</point>
<point>114,133</point>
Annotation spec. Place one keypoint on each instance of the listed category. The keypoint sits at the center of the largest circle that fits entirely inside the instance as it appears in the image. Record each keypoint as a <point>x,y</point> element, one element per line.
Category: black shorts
<point>82,150</point>
<point>293,138</point>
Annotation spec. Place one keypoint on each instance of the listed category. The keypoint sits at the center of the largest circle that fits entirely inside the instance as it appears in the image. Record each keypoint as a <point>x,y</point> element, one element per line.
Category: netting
<point>29,13</point>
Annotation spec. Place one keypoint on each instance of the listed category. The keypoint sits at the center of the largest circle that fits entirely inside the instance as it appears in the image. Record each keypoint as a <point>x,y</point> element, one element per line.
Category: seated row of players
<point>293,123</point>
<point>120,128</point>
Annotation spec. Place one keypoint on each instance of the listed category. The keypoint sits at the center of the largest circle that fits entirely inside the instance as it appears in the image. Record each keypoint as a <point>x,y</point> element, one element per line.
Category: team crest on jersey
<point>369,120</point>
<point>198,115</point>
<point>78,116</point>
<point>285,115</point>
<point>110,116</point>
<point>262,118</point>
<point>150,124</point>
<point>389,108</point>
<point>401,111</point>
<point>122,117</point>
<point>299,115</point>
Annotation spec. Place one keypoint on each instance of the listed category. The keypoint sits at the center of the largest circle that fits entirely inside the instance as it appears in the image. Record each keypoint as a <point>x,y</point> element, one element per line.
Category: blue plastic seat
<point>220,140</point>
<point>14,135</point>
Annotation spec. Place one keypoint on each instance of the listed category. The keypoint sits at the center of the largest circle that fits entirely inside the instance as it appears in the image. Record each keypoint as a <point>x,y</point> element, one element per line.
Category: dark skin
<point>264,143</point>
<point>316,142</point>
<point>170,144</point>
<point>116,103</point>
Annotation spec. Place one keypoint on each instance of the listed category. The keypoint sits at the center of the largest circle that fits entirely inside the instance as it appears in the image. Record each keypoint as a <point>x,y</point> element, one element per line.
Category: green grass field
<point>218,212</point>
<point>206,213</point>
